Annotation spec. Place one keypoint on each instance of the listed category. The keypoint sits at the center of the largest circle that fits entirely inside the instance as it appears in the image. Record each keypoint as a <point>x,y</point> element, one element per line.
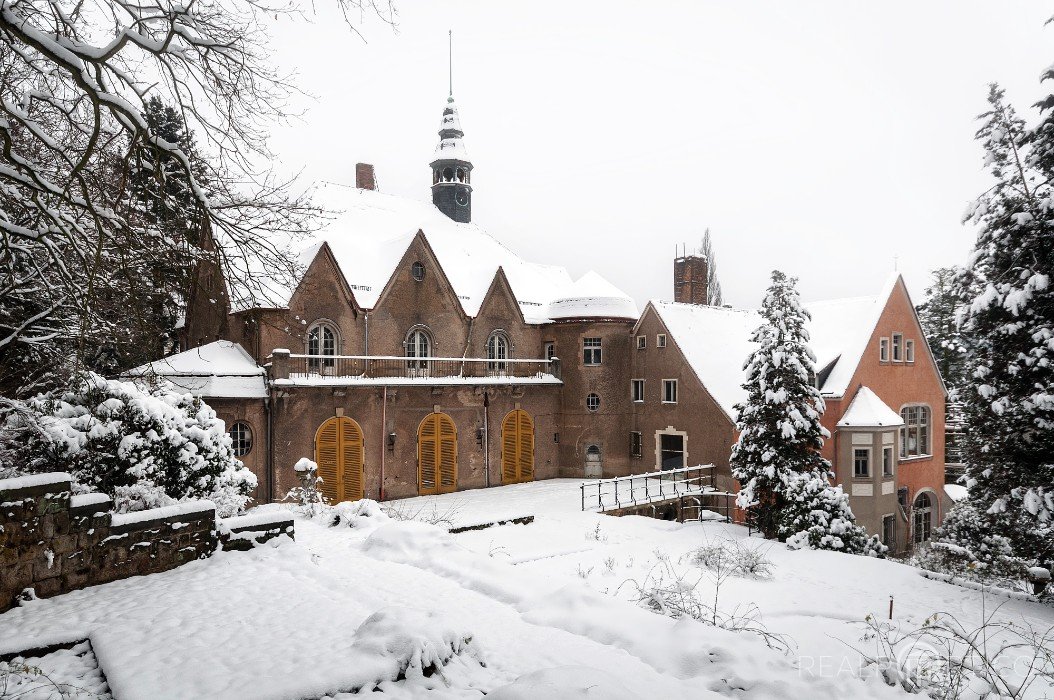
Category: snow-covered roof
<point>221,369</point>
<point>592,296</point>
<point>839,332</point>
<point>715,342</point>
<point>869,411</point>
<point>956,492</point>
<point>372,232</point>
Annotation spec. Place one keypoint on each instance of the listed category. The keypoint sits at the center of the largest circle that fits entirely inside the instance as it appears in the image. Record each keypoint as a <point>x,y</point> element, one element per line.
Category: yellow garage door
<point>437,454</point>
<point>517,447</point>
<point>339,454</point>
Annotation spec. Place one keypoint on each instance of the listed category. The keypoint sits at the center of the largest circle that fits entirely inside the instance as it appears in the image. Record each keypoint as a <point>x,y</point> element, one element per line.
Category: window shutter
<point>509,448</point>
<point>327,456</point>
<point>426,455</point>
<point>526,446</point>
<point>352,476</point>
<point>447,435</point>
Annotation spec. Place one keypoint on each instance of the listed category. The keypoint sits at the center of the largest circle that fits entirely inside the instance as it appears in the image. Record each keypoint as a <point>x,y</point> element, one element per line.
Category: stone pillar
<point>280,363</point>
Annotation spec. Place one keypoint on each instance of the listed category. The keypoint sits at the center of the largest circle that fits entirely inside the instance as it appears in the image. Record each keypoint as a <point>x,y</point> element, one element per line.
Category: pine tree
<point>780,434</point>
<point>938,316</point>
<point>1006,521</point>
<point>816,515</point>
<point>713,285</point>
<point>167,219</point>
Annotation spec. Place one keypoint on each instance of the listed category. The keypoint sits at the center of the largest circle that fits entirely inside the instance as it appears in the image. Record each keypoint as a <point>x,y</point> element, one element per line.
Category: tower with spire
<point>451,168</point>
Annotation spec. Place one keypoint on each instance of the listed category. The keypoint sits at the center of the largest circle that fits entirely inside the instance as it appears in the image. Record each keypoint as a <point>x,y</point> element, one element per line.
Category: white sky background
<point>820,138</point>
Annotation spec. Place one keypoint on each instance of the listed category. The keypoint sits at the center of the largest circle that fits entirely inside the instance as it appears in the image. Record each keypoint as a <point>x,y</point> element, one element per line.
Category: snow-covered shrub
<point>139,445</point>
<point>816,515</point>
<point>308,495</point>
<point>734,556</point>
<point>420,642</point>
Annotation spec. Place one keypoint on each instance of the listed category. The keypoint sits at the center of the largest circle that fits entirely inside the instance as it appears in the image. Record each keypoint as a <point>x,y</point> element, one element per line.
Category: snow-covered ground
<point>544,610</point>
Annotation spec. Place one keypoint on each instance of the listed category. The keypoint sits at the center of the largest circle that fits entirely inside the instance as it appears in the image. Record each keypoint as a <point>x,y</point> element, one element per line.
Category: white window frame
<point>499,350</point>
<point>642,342</point>
<point>549,348</point>
<point>866,450</point>
<point>897,346</point>
<point>636,390</point>
<point>883,349</point>
<point>592,353</point>
<point>417,362</point>
<point>910,429</point>
<point>909,350</point>
<point>322,361</point>
<point>660,340</point>
<point>892,464</point>
<point>589,396</point>
<point>666,384</point>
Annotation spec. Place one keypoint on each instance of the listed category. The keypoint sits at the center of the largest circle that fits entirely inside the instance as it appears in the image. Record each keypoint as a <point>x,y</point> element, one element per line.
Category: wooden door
<point>437,455</point>
<point>517,447</point>
<point>339,455</point>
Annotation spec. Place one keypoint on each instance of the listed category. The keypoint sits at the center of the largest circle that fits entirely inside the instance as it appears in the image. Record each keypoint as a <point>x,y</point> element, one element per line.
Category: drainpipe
<point>486,435</point>
<point>269,462</point>
<point>384,436</point>
<point>366,341</point>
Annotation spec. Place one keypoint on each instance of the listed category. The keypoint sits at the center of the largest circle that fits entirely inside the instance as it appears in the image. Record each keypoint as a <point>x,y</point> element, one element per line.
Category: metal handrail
<point>668,484</point>
<point>404,358</point>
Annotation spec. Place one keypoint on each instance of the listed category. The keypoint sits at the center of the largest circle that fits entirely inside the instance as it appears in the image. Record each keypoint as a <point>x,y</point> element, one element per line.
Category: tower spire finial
<point>450,62</point>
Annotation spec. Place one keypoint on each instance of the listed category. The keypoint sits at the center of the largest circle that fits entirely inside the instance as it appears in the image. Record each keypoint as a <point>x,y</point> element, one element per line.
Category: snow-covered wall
<point>52,542</point>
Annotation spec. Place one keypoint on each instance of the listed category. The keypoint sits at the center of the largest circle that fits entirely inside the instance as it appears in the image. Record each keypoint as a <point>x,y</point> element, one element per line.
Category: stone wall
<point>54,542</point>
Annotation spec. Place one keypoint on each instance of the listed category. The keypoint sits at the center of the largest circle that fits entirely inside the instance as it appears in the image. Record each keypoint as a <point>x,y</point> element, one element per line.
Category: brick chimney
<point>365,177</point>
<point>689,279</point>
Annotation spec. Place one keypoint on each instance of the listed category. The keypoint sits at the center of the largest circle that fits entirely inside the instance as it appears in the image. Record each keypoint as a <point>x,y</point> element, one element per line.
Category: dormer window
<point>417,271</point>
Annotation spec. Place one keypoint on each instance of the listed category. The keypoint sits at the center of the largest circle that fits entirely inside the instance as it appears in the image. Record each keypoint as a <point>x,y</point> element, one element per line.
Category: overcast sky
<point>826,139</point>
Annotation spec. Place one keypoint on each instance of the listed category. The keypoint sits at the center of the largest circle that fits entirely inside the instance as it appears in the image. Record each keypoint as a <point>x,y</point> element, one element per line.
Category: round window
<point>418,271</point>
<point>593,402</point>
<point>241,438</point>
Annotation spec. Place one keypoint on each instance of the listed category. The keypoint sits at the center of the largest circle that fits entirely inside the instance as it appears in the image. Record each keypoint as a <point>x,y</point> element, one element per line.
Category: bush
<point>139,445</point>
<point>817,515</point>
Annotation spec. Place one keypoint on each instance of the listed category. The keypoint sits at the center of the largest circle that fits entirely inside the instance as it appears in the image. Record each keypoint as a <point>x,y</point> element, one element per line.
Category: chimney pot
<point>365,177</point>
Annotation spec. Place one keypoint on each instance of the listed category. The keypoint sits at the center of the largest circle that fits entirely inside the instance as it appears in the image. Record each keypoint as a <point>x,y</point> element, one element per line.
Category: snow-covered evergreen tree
<point>138,445</point>
<point>1007,519</point>
<point>816,515</point>
<point>938,315</point>
<point>780,434</point>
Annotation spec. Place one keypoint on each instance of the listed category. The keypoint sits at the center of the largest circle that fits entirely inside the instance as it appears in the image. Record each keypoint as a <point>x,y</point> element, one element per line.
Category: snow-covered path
<point>545,605</point>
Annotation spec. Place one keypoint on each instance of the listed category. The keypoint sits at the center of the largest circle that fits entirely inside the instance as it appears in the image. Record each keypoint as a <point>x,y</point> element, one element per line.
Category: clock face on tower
<point>461,197</point>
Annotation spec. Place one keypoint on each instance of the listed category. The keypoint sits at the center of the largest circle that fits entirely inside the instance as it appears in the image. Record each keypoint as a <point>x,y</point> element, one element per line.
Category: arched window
<point>497,352</point>
<point>418,349</point>
<point>448,174</point>
<point>417,271</point>
<point>321,346</point>
<point>922,512</point>
<point>915,435</point>
<point>241,438</point>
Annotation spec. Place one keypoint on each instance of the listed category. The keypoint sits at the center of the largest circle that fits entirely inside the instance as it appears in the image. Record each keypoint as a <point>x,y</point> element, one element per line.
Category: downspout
<point>366,341</point>
<point>486,435</point>
<point>269,462</point>
<point>384,436</point>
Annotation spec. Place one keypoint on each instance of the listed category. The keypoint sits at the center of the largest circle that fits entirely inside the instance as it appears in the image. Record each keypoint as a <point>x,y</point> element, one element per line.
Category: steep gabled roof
<point>373,231</point>
<point>716,342</point>
<point>840,331</point>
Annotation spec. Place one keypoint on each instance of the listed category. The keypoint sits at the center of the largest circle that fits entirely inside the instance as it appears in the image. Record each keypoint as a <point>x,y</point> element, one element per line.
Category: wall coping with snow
<point>54,542</point>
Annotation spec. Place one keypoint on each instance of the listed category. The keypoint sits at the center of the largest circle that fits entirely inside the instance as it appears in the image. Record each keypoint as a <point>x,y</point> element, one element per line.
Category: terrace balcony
<point>289,369</point>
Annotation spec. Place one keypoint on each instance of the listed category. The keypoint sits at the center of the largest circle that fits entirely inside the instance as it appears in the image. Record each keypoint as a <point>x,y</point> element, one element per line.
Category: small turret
<point>451,169</point>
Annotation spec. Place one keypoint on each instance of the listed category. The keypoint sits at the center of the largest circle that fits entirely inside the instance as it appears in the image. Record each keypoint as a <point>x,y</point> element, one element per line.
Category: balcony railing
<point>285,365</point>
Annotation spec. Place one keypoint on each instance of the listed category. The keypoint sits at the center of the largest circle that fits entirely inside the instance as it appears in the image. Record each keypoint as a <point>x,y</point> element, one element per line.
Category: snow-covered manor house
<point>418,355</point>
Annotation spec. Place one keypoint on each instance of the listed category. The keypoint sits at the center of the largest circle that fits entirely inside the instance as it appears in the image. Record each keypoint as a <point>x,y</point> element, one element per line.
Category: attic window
<point>660,340</point>
<point>417,270</point>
